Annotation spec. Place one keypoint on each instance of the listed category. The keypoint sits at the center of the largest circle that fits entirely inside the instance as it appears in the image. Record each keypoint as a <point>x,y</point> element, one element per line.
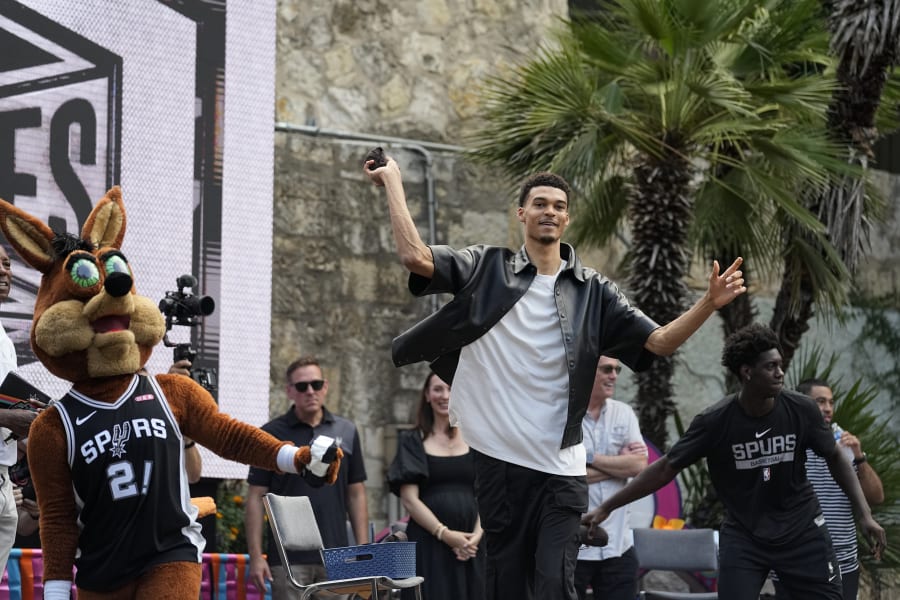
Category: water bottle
<point>837,431</point>
<point>837,439</point>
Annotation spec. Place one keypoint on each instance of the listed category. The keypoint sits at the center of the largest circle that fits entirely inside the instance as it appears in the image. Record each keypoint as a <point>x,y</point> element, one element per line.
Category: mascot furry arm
<point>91,328</point>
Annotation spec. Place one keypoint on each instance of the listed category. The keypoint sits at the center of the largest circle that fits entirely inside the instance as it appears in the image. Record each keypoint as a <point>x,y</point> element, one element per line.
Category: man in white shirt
<point>615,451</point>
<point>12,423</point>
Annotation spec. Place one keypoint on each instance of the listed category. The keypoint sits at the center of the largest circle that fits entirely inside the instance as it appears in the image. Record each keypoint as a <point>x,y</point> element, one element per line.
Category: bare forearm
<point>419,511</point>
<point>253,524</point>
<point>843,474</point>
<point>647,481</point>
<point>596,475</point>
<point>621,466</point>
<point>413,252</point>
<point>358,510</point>
<point>722,289</point>
<point>665,340</point>
<point>871,485</point>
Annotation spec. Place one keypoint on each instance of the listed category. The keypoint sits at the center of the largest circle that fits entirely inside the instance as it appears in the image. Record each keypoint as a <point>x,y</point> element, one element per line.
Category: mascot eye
<point>84,273</point>
<point>116,264</point>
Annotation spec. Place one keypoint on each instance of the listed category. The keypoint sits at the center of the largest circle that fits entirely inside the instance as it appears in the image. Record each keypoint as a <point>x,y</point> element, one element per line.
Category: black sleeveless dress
<point>446,486</point>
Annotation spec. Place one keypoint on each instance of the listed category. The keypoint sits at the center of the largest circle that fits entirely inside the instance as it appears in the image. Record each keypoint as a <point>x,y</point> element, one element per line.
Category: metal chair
<point>294,527</point>
<point>682,551</point>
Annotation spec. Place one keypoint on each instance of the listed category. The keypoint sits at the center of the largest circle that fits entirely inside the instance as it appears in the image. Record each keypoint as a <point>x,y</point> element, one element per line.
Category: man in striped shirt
<point>835,505</point>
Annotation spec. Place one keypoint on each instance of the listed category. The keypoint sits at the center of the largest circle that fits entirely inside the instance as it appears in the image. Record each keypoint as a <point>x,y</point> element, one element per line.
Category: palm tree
<point>865,37</point>
<point>674,115</point>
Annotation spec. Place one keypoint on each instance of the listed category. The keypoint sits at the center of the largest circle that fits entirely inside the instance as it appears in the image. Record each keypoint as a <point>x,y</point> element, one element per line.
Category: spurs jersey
<point>131,491</point>
<point>758,464</point>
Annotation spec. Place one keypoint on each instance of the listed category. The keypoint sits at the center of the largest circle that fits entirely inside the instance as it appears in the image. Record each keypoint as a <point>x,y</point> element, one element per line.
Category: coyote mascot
<point>107,460</point>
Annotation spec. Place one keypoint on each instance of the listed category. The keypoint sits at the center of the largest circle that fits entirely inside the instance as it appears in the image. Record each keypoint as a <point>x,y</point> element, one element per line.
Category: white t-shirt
<point>8,450</point>
<point>511,388</point>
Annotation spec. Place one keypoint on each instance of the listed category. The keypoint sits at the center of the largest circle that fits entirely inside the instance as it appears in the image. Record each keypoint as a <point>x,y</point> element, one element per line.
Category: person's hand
<point>634,448</point>
<point>470,548</point>
<point>379,175</point>
<point>725,287</point>
<point>593,519</point>
<point>31,507</point>
<point>18,420</point>
<point>259,572</point>
<point>875,535</point>
<point>851,441</point>
<point>181,367</point>
<point>17,496</point>
<point>459,542</point>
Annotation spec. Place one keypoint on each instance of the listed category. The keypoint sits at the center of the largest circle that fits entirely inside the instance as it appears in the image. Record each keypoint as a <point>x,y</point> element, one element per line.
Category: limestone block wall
<point>400,69</point>
<point>407,68</point>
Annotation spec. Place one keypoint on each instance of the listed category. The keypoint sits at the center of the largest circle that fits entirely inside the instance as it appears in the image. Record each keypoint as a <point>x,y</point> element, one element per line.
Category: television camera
<point>184,308</point>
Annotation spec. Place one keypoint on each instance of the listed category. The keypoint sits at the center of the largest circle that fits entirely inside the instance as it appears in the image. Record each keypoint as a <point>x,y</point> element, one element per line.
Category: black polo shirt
<point>329,502</point>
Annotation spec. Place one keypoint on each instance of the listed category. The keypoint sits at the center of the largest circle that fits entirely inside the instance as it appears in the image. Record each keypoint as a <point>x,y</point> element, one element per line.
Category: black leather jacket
<point>486,281</point>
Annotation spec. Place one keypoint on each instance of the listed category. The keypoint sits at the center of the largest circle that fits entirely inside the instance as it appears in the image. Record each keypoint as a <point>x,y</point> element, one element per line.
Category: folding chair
<point>294,527</point>
<point>682,551</point>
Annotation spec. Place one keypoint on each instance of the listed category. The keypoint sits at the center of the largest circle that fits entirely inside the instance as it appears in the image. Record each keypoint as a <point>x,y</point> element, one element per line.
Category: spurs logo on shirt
<point>121,433</point>
<point>114,442</point>
<point>769,450</point>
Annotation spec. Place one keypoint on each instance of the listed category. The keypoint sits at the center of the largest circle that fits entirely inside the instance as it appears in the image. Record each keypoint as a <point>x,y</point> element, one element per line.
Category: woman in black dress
<point>434,474</point>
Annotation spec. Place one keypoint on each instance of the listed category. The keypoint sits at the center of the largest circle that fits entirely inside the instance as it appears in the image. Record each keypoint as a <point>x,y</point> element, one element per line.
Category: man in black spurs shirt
<point>755,445</point>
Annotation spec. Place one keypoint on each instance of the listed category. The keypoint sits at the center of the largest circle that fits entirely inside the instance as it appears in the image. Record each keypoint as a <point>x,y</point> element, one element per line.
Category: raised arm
<point>843,474</point>
<point>722,289</point>
<point>413,252</point>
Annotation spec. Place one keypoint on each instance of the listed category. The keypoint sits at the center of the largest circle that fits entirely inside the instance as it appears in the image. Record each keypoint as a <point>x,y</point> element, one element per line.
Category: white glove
<point>57,589</point>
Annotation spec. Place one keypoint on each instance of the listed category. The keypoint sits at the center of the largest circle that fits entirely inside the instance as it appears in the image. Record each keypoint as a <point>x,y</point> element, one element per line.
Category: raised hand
<point>725,287</point>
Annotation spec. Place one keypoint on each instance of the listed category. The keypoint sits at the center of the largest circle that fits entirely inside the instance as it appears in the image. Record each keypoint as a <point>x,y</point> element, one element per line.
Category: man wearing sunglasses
<point>615,452</point>
<point>307,418</point>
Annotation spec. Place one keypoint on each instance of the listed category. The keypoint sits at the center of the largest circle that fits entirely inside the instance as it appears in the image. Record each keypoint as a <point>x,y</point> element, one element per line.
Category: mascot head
<point>88,320</point>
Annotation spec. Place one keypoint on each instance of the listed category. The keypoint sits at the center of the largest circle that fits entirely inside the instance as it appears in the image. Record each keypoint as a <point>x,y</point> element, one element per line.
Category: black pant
<point>806,566</point>
<point>531,521</point>
<point>849,586</point>
<point>610,579</point>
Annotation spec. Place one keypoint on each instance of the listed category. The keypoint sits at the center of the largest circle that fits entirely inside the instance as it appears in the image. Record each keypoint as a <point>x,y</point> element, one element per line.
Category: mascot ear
<point>28,235</point>
<point>105,226</point>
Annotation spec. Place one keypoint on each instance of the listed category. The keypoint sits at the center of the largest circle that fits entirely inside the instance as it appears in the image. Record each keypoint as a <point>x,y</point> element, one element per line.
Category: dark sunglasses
<point>301,386</point>
<point>607,369</point>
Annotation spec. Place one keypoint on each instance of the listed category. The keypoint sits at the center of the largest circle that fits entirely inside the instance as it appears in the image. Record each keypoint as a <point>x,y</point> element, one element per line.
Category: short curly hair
<point>744,346</point>
<point>540,179</point>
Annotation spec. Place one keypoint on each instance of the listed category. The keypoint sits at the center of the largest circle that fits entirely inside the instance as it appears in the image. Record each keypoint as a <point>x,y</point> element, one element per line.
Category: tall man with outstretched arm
<point>755,446</point>
<point>520,343</point>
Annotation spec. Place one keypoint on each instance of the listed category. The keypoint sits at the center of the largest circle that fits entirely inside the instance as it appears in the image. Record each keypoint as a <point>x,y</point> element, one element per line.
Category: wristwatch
<point>860,460</point>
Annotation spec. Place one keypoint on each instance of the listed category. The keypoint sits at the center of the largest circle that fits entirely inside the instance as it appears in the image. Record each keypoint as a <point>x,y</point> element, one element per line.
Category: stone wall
<point>401,69</point>
<point>404,74</point>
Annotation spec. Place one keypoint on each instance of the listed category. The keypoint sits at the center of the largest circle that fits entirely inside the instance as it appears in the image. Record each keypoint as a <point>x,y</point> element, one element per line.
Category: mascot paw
<point>206,506</point>
<point>320,462</point>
